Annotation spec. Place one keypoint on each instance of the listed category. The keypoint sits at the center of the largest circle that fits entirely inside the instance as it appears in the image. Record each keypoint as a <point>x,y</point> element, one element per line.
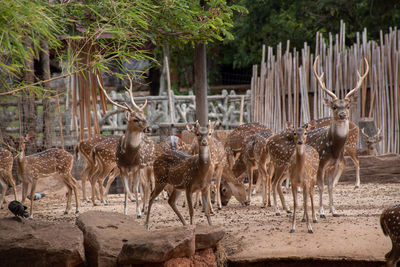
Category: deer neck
<point>300,158</point>
<point>338,134</point>
<point>204,156</point>
<point>132,139</point>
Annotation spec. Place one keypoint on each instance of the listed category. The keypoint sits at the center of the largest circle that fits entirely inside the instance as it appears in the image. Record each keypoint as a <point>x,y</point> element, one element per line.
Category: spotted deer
<point>390,224</point>
<point>350,146</point>
<point>302,171</point>
<point>132,153</point>
<point>53,163</point>
<point>184,173</point>
<point>371,142</point>
<point>219,166</point>
<point>253,156</point>
<point>235,140</point>
<point>6,178</point>
<point>84,148</point>
<point>330,140</point>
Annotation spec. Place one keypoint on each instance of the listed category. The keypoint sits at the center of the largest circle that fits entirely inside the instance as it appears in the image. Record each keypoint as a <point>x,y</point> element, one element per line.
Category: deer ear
<point>189,127</point>
<point>353,100</point>
<point>197,124</point>
<point>327,102</point>
<point>379,138</point>
<point>29,136</point>
<point>288,124</point>
<point>127,115</point>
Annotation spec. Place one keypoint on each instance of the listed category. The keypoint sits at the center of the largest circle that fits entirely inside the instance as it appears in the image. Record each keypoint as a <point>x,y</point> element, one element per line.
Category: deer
<point>53,162</point>
<point>184,172</point>
<point>84,148</point>
<point>132,153</point>
<point>349,146</point>
<point>6,178</point>
<point>371,142</point>
<point>219,166</point>
<point>253,156</point>
<point>235,139</point>
<point>302,171</point>
<point>330,140</point>
<point>390,224</point>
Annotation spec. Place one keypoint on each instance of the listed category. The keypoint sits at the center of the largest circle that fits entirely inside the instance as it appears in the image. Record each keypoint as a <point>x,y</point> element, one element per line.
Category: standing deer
<point>303,173</point>
<point>350,146</point>
<point>53,162</point>
<point>390,223</point>
<point>84,148</point>
<point>132,153</point>
<point>330,141</point>
<point>184,172</point>
<point>371,142</point>
<point>6,178</point>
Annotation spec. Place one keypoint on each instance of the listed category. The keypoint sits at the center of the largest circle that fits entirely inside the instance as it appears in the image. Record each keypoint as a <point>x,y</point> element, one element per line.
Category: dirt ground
<point>253,233</point>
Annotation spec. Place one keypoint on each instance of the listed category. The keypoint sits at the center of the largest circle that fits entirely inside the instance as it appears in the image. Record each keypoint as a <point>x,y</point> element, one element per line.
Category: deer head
<point>136,119</point>
<point>340,107</point>
<point>371,141</point>
<point>20,142</point>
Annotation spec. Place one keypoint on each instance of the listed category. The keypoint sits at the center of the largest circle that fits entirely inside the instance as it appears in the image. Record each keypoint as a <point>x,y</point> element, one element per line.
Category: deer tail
<point>76,150</point>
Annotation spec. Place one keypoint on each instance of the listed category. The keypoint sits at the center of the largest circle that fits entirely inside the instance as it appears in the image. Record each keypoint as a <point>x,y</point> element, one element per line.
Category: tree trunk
<point>28,109</point>
<point>48,105</point>
<point>200,81</point>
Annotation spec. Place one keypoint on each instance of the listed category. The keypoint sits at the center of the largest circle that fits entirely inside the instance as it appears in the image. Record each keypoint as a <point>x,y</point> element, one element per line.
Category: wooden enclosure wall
<point>284,87</point>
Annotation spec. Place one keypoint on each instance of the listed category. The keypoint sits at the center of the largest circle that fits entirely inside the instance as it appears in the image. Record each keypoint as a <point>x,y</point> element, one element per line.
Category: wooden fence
<point>284,88</point>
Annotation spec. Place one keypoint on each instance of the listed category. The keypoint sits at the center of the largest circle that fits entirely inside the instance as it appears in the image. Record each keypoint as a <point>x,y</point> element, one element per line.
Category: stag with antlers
<point>184,172</point>
<point>330,141</point>
<point>132,153</point>
<point>371,142</point>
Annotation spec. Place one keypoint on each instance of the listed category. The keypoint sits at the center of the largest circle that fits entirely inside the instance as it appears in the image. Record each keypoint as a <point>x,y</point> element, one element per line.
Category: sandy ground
<point>254,233</point>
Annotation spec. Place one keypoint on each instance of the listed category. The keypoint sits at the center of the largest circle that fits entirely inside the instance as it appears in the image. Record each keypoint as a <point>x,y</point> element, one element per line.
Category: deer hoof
<point>356,187</point>
<point>77,211</point>
<point>303,220</point>
<point>289,211</point>
<point>335,215</point>
<point>310,231</point>
<point>65,212</point>
<point>278,214</point>
<point>139,216</point>
<point>322,216</point>
<point>291,231</point>
<point>314,221</point>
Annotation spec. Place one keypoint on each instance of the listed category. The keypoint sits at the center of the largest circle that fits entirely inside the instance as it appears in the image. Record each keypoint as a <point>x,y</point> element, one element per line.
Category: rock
<point>202,258</point>
<point>104,235</point>
<point>158,246</point>
<point>208,236</point>
<point>382,169</point>
<point>35,243</point>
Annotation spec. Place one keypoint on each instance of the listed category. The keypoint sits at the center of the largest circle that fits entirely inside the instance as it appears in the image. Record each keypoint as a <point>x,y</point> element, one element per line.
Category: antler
<point>321,83</point>
<point>131,96</point>
<point>125,106</point>
<point>364,134</point>
<point>360,80</point>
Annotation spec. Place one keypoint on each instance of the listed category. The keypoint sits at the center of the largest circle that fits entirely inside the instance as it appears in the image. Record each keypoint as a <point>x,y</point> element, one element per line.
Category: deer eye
<point>294,134</point>
<point>136,120</point>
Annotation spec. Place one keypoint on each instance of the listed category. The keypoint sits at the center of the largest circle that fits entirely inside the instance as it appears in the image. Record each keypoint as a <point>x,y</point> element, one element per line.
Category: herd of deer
<point>304,155</point>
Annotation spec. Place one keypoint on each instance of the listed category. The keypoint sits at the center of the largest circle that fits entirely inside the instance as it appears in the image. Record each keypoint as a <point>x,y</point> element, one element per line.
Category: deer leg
<point>262,175</point>
<point>294,192</point>
<point>75,188</point>
<point>34,183</point>
<point>172,202</point>
<point>3,187</point>
<point>84,175</point>
<point>93,176</point>
<point>125,177</point>
<point>312,186</point>
<point>339,168</point>
<point>353,155</point>
<point>218,186</point>
<point>205,197</point>
<point>25,186</point>
<point>111,179</point>
<point>69,197</point>
<point>210,207</point>
<point>394,256</point>
<point>8,174</point>
<point>196,200</point>
<point>320,182</point>
<point>258,183</point>
<point>279,189</point>
<point>330,192</point>
<point>305,203</point>
<point>190,204</point>
<point>135,180</point>
<point>157,190</point>
<point>250,173</point>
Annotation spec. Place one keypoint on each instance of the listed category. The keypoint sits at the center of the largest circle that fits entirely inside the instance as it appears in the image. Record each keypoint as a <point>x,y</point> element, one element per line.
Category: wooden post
<point>170,97</point>
<point>200,81</point>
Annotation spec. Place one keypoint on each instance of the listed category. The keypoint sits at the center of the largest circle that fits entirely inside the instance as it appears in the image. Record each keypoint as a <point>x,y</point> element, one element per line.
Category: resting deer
<point>350,146</point>
<point>84,148</point>
<point>390,223</point>
<point>303,173</point>
<point>371,142</point>
<point>330,141</point>
<point>184,172</point>
<point>53,162</point>
<point>132,153</point>
<point>6,178</point>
